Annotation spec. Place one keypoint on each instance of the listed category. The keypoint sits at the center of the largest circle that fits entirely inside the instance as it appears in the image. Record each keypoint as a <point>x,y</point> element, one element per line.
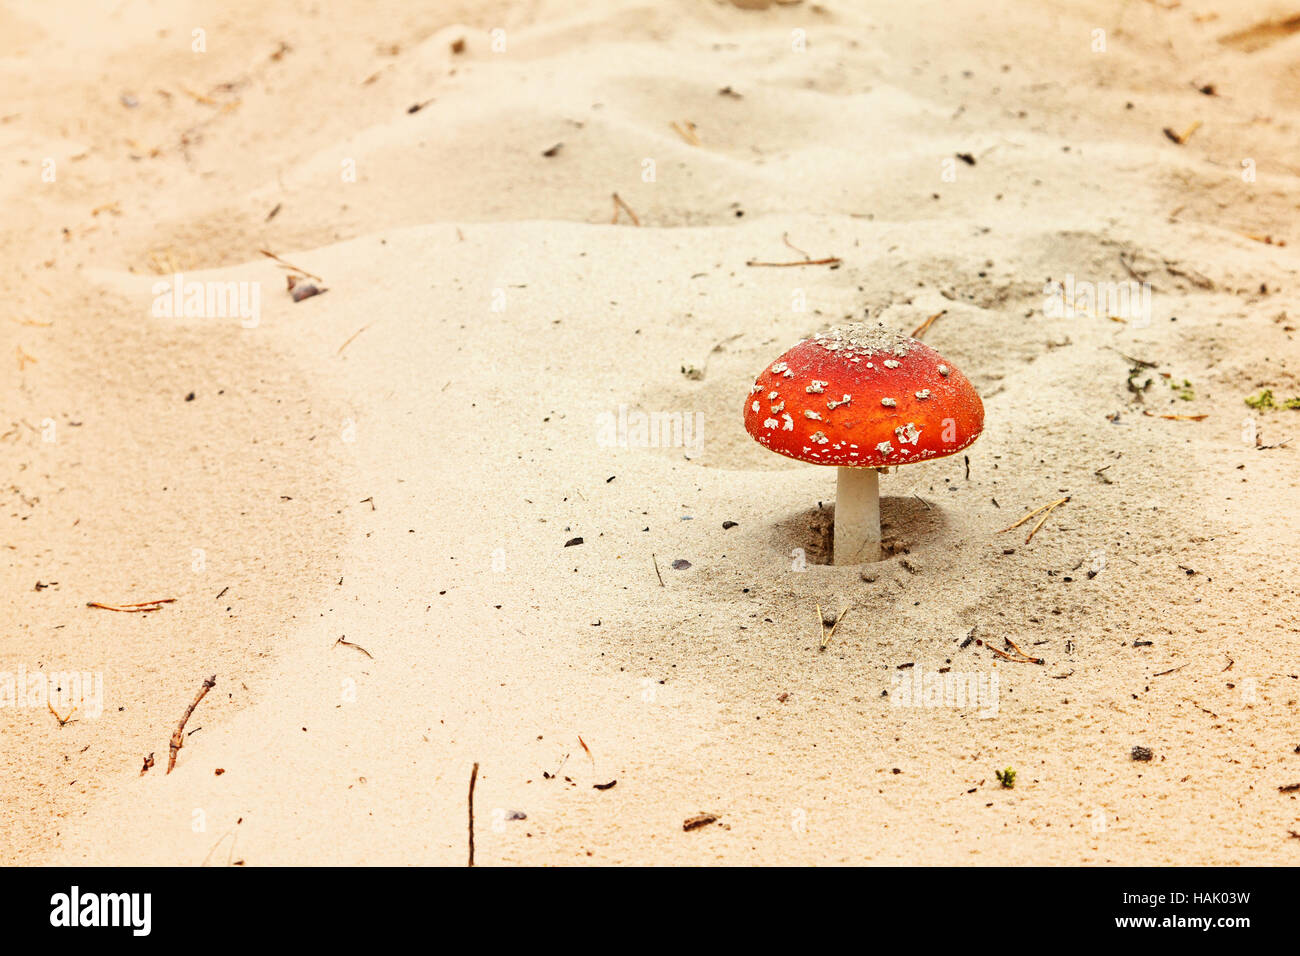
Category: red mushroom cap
<point>865,396</point>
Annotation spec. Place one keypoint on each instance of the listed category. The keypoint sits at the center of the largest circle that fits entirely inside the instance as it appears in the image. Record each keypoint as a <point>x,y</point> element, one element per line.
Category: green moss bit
<point>1006,777</point>
<point>1265,400</point>
<point>1262,401</point>
<point>1133,384</point>
<point>1185,391</point>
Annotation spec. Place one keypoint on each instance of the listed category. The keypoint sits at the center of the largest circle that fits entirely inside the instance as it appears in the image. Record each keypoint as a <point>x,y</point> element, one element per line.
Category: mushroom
<point>862,398</point>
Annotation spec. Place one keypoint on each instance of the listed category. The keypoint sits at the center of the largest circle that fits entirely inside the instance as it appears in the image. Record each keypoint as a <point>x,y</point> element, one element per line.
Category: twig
<point>785,237</point>
<point>1266,240</point>
<point>686,130</point>
<point>62,720</point>
<point>1282,444</point>
<point>347,643</point>
<point>1031,514</point>
<point>657,574</point>
<point>138,608</point>
<point>178,735</point>
<point>1185,135</point>
<point>821,623</point>
<point>828,261</point>
<point>1050,508</point>
<point>924,326</point>
<point>351,338</point>
<point>1171,670</point>
<point>290,265</point>
<point>1177,418</point>
<point>473,778</point>
<point>620,204</point>
<point>1016,647</point>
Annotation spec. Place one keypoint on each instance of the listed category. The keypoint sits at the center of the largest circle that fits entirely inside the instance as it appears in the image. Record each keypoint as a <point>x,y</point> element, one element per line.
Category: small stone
<point>681,564</point>
<point>728,524</point>
<point>1143,753</point>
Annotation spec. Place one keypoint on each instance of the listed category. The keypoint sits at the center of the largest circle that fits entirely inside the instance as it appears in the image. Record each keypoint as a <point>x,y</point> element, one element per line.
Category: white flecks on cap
<point>816,388</point>
<point>892,363</point>
<point>770,423</point>
<point>755,405</point>
<point>843,401</point>
<point>884,448</point>
<point>774,395</point>
<point>943,370</point>
<point>788,373</point>
<point>923,394</point>
<point>789,423</point>
<point>907,434</point>
<point>779,367</point>
<point>756,389</point>
<point>862,341</point>
<point>778,408</point>
<point>809,413</point>
<point>888,402</point>
<point>818,438</point>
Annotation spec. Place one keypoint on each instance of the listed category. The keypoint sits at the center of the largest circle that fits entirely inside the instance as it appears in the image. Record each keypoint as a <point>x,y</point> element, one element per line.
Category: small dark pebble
<point>699,820</point>
<point>572,541</point>
<point>189,397</point>
<point>728,524</point>
<point>548,153</point>
<point>966,158</point>
<point>681,564</point>
<point>305,290</point>
<point>1143,753</point>
<point>516,815</point>
<point>604,786</point>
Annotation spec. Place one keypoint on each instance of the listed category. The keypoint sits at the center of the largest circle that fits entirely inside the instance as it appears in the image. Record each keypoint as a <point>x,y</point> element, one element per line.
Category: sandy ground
<point>401,461</point>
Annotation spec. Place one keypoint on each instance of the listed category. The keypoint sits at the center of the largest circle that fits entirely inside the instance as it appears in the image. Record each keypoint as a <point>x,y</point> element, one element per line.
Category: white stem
<point>857,516</point>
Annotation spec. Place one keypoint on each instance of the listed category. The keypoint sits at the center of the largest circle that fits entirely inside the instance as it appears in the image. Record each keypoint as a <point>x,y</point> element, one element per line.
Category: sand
<point>400,461</point>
